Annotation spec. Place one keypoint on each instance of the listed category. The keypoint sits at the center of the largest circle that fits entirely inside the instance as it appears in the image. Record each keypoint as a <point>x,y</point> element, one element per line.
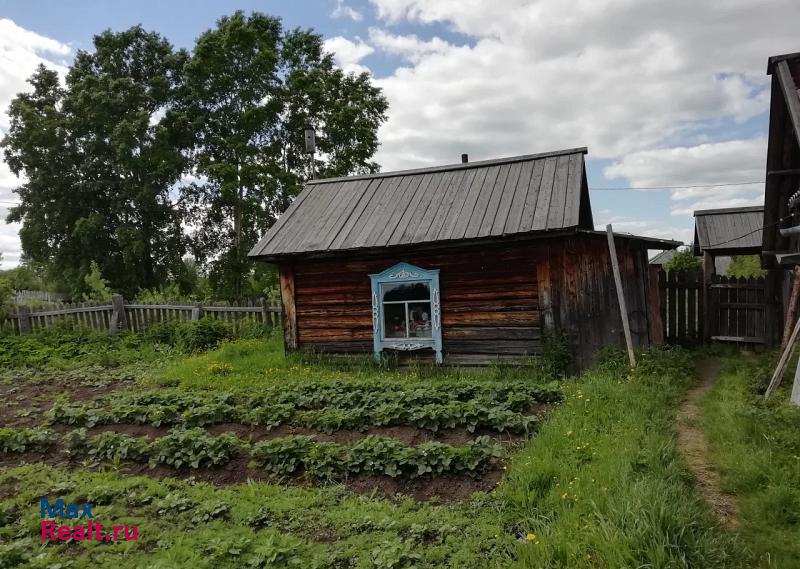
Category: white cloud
<point>711,163</point>
<point>342,10</point>
<point>21,51</point>
<point>409,47</point>
<point>348,53</point>
<point>618,76</point>
<point>651,228</point>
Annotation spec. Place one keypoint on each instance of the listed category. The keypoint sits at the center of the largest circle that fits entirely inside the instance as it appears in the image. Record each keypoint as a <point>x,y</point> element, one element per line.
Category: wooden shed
<point>464,264</point>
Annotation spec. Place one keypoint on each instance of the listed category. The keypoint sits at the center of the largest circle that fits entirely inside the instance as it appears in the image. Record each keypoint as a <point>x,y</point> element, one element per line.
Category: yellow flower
<point>531,537</point>
<point>569,433</point>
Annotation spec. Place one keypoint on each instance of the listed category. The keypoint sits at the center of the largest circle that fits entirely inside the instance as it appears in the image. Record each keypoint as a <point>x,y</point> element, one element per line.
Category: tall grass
<point>602,485</point>
<point>261,362</point>
<point>757,448</point>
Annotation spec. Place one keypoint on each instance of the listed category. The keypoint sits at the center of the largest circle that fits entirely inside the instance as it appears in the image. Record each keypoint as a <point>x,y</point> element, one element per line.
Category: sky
<point>661,92</point>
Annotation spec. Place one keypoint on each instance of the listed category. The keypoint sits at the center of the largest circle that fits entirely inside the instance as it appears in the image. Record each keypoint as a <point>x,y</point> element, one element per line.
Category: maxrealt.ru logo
<point>88,532</point>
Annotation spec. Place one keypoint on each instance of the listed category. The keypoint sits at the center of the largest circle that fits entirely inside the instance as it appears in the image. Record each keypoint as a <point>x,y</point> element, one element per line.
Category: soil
<point>25,402</point>
<point>443,489</point>
<point>693,445</point>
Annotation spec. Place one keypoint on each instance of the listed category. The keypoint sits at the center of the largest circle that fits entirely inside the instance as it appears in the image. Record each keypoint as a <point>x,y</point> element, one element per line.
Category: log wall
<point>496,299</point>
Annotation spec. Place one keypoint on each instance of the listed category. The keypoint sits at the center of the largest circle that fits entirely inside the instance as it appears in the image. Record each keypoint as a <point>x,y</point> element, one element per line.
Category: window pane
<point>419,316</point>
<point>407,291</point>
<point>394,320</point>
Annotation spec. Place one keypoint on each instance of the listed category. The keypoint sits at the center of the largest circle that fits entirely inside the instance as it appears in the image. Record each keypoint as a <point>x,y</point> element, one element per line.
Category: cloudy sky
<point>663,93</point>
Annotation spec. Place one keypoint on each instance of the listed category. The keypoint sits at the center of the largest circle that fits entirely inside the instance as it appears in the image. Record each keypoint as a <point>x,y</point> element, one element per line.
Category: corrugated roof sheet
<point>663,257</point>
<point>735,229</point>
<point>521,194</point>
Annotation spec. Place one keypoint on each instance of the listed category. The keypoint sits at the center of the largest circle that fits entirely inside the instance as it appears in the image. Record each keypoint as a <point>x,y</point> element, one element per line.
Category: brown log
<point>288,312</point>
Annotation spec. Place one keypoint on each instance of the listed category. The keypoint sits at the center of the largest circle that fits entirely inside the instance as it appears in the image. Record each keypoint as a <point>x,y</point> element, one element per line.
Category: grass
<point>260,362</point>
<point>602,485</point>
<point>756,446</point>
<point>199,526</point>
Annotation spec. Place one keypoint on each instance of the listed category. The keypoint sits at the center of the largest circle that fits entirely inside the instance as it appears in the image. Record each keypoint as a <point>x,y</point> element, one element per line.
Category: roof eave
<point>651,242</point>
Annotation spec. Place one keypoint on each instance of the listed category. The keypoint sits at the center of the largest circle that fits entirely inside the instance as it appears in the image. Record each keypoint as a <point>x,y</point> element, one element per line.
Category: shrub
<point>201,335</point>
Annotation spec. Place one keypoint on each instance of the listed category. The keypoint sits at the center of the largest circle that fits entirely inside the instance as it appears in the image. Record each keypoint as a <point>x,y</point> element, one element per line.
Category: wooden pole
<point>197,311</point>
<point>288,312</point>
<point>623,309</point>
<point>708,309</point>
<point>24,319</point>
<point>777,376</point>
<point>795,397</point>
<point>791,312</point>
<point>654,306</point>
<point>119,320</point>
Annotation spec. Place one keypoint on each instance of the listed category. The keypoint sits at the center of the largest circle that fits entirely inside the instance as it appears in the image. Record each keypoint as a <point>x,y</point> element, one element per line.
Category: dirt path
<point>693,445</point>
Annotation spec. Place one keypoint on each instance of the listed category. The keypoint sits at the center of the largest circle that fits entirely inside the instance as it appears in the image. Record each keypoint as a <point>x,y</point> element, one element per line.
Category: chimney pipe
<point>464,158</point>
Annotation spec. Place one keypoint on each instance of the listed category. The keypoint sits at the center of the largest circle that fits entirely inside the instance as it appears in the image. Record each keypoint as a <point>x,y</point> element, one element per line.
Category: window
<point>406,313</point>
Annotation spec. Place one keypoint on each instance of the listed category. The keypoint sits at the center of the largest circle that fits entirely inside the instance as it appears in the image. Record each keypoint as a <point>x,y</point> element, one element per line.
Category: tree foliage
<point>143,141</point>
<point>251,87</point>
<point>746,266</point>
<point>100,159</point>
<point>683,259</point>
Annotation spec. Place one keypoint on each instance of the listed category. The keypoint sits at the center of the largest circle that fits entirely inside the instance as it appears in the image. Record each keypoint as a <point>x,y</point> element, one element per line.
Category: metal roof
<point>663,257</point>
<point>492,198</point>
<point>733,230</point>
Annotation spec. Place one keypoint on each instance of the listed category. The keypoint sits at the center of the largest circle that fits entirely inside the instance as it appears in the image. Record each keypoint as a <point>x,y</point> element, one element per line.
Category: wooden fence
<point>20,296</point>
<point>736,309</point>
<point>119,315</point>
<point>681,304</point>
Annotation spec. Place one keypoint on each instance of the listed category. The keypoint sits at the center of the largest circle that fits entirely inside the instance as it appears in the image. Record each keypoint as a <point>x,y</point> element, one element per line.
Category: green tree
<point>683,259</point>
<point>746,266</point>
<point>100,157</point>
<point>97,289</point>
<point>251,87</point>
<point>6,297</point>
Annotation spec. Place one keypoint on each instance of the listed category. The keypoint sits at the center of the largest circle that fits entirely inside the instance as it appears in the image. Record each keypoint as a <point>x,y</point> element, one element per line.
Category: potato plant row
<point>434,416</point>
<point>372,455</point>
<point>327,407</point>
<point>196,448</point>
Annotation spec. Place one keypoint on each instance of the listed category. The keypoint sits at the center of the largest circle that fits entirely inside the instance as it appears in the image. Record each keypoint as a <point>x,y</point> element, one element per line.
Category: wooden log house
<point>781,222</point>
<point>466,264</point>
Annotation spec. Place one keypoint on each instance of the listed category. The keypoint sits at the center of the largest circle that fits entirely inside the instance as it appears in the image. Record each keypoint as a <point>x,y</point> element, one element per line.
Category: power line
<point>680,187</point>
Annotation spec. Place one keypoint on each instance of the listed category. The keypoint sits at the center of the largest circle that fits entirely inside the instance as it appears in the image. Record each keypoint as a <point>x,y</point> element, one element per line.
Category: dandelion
<point>531,537</point>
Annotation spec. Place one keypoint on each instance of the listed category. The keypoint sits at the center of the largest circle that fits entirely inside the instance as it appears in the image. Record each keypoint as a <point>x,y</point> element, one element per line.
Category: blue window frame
<point>406,310</point>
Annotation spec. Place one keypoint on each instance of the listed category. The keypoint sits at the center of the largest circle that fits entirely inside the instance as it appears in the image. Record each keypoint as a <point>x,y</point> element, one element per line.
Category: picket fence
<point>119,315</point>
<point>20,296</point>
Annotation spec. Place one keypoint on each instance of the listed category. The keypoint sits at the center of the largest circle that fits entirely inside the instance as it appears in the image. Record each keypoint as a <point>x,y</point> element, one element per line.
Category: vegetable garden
<point>237,457</point>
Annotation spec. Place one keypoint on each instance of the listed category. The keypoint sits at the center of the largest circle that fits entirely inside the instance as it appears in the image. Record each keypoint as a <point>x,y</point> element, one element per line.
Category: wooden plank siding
<point>496,299</point>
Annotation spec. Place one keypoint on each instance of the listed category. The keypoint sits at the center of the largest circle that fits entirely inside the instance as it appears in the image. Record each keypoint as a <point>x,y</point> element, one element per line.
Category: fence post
<point>197,311</point>
<point>265,314</point>
<point>708,313</point>
<point>654,305</point>
<point>119,319</point>
<point>24,319</point>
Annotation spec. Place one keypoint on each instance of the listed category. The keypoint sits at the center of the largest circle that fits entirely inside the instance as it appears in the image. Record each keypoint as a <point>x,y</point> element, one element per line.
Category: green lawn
<point>598,483</point>
<point>757,448</point>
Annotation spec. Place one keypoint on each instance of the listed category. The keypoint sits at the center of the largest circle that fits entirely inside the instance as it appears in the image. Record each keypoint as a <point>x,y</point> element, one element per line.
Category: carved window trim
<point>405,272</point>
